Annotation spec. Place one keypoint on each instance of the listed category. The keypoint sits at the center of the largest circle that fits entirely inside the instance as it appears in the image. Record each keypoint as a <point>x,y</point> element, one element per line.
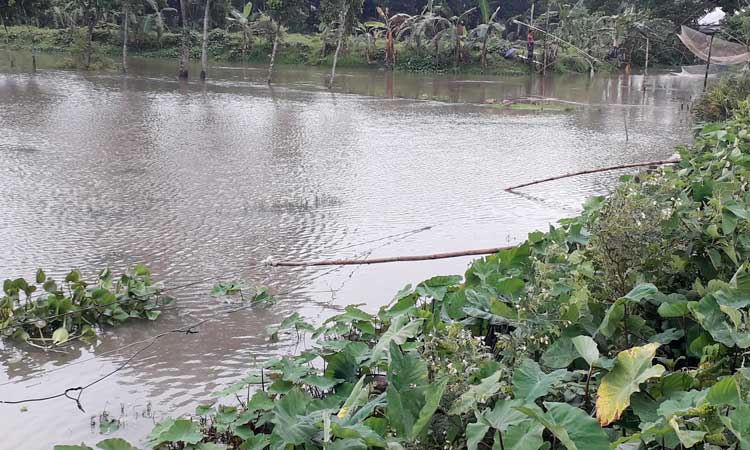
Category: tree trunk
<point>648,46</point>
<point>342,24</point>
<point>90,24</point>
<point>484,47</point>
<point>276,37</point>
<point>125,14</point>
<point>204,50</point>
<point>185,42</point>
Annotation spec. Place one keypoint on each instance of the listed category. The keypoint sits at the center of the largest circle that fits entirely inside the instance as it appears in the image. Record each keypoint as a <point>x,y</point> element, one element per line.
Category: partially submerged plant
<point>75,308</point>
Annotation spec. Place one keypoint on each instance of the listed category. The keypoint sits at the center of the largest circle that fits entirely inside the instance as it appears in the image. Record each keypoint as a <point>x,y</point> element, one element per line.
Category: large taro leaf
<point>530,382</point>
<point>738,422</point>
<point>632,367</point>
<point>406,392</point>
<point>174,431</point>
<point>291,426</point>
<point>720,322</point>
<point>526,435</point>
<point>400,330</point>
<point>357,397</point>
<point>616,312</point>
<point>117,444</point>
<point>505,415</point>
<point>571,426</point>
<point>587,348</point>
<point>475,433</point>
<point>477,394</point>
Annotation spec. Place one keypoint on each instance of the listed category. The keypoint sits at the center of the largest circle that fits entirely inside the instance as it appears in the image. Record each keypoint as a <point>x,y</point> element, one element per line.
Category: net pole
<point>708,63</point>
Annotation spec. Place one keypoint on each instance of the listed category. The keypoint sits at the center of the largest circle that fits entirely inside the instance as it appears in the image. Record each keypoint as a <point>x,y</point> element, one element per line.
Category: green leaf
<point>587,348</point>
<point>477,394</point>
<point>319,382</point>
<point>613,318</point>
<point>400,331</point>
<point>530,382</point>
<point>115,444</point>
<point>174,431</point>
<point>475,433</point>
<point>407,380</point>
<point>709,314</point>
<point>523,436</point>
<point>642,291</point>
<point>560,354</point>
<point>357,397</point>
<point>72,447</point>
<point>290,423</point>
<point>433,395</point>
<point>40,276</point>
<point>725,392</point>
<point>505,415</point>
<point>60,336</point>
<point>571,426</point>
<point>632,367</point>
<point>738,422</point>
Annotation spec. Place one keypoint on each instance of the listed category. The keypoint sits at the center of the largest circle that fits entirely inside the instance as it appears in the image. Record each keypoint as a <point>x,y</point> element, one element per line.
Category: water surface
<point>206,181</point>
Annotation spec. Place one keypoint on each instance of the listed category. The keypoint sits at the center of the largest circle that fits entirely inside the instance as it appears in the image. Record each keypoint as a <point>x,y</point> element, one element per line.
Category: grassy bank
<point>297,49</point>
<point>626,327</point>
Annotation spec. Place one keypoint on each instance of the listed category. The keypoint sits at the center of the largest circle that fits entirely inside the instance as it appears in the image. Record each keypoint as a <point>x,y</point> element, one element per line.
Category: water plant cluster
<point>624,328</point>
<point>48,313</point>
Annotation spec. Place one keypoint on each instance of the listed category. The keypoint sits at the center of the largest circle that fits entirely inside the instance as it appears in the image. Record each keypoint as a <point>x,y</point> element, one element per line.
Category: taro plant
<point>74,308</point>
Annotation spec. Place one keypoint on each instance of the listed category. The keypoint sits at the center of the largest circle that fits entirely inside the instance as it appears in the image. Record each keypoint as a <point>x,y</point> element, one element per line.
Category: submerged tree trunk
<point>276,37</point>
<point>342,24</point>
<point>90,24</point>
<point>125,14</point>
<point>484,47</point>
<point>184,42</point>
<point>204,50</point>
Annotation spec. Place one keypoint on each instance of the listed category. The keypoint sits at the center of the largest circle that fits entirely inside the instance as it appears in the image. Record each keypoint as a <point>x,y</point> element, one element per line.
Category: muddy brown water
<point>202,181</point>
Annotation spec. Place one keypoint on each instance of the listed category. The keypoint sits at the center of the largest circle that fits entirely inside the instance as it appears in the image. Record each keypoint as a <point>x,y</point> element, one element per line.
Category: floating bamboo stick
<point>586,172</point>
<point>351,262</point>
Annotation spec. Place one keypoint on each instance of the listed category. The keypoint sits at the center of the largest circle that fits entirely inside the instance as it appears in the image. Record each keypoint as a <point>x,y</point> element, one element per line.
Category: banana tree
<point>241,20</point>
<point>488,26</point>
<point>391,24</point>
<point>452,36</point>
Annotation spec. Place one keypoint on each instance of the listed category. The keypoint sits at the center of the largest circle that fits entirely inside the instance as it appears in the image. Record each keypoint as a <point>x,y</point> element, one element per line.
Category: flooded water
<point>203,182</point>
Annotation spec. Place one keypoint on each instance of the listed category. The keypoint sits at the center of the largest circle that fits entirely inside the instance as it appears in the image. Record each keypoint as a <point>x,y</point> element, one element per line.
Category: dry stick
<point>352,262</point>
<point>586,172</point>
<point>625,121</point>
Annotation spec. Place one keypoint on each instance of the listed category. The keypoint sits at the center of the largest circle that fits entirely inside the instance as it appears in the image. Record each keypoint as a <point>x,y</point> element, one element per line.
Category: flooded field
<point>204,182</point>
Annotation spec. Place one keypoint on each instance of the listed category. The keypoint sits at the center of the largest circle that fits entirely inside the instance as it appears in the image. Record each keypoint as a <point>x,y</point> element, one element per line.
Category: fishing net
<point>722,52</point>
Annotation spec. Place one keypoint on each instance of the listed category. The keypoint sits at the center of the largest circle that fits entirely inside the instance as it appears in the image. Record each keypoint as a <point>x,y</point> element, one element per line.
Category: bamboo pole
<point>352,262</point>
<point>586,172</point>
<point>518,22</point>
<point>708,63</point>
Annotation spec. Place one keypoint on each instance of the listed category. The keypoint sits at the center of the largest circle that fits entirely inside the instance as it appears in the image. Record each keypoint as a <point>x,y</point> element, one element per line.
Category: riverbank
<point>296,49</point>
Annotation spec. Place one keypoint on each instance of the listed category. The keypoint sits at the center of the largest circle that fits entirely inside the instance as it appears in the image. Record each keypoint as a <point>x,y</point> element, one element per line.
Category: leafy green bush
<point>723,99</point>
<point>74,308</point>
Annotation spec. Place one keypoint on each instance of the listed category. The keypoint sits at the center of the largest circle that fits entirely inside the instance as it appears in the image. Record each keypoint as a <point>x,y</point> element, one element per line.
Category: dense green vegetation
<point>402,34</point>
<point>627,327</point>
<point>74,308</point>
<point>720,102</point>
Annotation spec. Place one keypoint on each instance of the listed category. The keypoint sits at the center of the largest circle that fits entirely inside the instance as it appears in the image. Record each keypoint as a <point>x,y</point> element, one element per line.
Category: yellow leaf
<point>632,367</point>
